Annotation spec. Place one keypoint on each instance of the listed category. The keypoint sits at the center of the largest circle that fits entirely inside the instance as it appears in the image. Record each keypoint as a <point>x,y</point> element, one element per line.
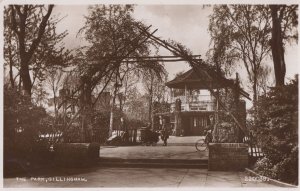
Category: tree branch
<point>41,31</point>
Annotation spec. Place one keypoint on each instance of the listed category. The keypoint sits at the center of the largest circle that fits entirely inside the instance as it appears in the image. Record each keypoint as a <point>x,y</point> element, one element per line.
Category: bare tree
<point>247,29</point>
<point>264,80</point>
<point>55,80</point>
<point>154,86</point>
<point>33,42</point>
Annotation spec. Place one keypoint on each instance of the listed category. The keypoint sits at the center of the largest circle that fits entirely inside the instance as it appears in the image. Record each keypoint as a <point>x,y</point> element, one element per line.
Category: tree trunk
<point>11,76</point>
<point>277,47</point>
<point>150,98</point>
<point>25,76</point>
<point>87,109</point>
<point>55,104</point>
<point>150,106</point>
<point>20,83</point>
<point>111,120</point>
<point>216,121</point>
<point>254,87</point>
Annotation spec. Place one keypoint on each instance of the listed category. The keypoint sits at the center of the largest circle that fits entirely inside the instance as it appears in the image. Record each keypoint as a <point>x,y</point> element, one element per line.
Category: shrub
<point>226,132</point>
<point>264,166</point>
<point>277,132</point>
<point>41,152</point>
<point>71,154</point>
<point>93,150</point>
<point>21,125</point>
<point>76,154</point>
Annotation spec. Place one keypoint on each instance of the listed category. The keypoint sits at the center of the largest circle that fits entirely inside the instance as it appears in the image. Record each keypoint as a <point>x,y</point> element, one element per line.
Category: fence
<point>100,137</point>
<point>254,151</point>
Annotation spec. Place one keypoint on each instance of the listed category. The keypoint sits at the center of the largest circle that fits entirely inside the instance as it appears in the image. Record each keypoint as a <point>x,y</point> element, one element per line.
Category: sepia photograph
<point>137,95</point>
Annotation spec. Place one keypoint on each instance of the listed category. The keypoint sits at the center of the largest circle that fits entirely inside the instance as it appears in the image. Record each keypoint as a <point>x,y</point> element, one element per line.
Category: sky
<point>187,24</point>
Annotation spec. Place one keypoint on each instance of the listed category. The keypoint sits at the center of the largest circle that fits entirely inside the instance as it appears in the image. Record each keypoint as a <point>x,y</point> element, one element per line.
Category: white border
<point>144,2</point>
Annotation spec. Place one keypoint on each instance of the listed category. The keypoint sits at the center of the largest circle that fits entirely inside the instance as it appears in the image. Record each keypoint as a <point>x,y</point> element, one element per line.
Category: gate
<point>254,151</point>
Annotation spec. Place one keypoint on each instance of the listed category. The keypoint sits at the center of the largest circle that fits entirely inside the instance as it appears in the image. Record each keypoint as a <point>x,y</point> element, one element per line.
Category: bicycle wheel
<point>200,145</point>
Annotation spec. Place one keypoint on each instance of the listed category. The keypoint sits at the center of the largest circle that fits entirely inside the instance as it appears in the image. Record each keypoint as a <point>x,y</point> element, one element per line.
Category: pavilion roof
<point>191,80</point>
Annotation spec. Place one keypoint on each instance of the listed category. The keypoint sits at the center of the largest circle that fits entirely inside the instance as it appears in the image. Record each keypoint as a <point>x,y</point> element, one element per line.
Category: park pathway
<point>180,149</point>
<point>134,177</point>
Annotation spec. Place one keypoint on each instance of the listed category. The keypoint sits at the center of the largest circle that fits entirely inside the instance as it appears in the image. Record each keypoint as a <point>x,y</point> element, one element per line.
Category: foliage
<point>39,95</point>
<point>99,126</point>
<point>102,122</point>
<point>226,129</point>
<point>277,130</point>
<point>113,35</point>
<point>21,125</point>
<point>225,132</point>
<point>137,107</point>
<point>161,107</point>
<point>265,165</point>
<point>134,123</point>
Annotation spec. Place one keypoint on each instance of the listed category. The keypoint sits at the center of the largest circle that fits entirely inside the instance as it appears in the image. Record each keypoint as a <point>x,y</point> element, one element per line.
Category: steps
<point>154,163</point>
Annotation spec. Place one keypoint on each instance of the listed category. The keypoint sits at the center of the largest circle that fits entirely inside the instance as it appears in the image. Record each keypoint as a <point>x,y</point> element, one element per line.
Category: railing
<point>201,106</point>
<point>192,98</point>
<point>132,136</point>
<point>195,106</point>
<point>194,103</point>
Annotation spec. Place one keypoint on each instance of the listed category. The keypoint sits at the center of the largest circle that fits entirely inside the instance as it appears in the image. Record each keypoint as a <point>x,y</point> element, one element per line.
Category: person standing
<point>164,136</point>
<point>160,123</point>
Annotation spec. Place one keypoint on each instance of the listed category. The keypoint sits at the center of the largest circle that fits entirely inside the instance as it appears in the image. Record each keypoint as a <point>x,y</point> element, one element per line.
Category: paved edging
<point>153,163</point>
<point>271,181</point>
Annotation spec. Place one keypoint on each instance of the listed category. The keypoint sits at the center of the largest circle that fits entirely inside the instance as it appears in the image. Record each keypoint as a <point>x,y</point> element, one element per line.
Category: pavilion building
<point>193,109</point>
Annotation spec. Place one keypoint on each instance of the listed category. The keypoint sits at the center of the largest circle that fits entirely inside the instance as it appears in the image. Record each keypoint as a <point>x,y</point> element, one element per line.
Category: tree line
<point>35,55</point>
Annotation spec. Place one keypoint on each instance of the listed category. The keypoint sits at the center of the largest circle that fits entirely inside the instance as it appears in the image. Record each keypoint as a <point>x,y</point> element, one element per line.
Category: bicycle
<point>202,144</point>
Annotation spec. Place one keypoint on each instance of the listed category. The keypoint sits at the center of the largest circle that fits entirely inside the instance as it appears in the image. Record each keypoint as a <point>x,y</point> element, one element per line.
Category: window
<point>199,121</point>
<point>195,121</point>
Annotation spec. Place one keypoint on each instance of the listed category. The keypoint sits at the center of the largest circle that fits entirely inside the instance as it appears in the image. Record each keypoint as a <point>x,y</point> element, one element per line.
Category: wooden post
<point>134,135</point>
<point>171,95</point>
<point>236,106</point>
<point>177,117</point>
<point>185,97</point>
<point>178,126</point>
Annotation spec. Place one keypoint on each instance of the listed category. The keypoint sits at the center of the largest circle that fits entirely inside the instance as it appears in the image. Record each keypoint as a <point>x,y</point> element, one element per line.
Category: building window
<point>199,121</point>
